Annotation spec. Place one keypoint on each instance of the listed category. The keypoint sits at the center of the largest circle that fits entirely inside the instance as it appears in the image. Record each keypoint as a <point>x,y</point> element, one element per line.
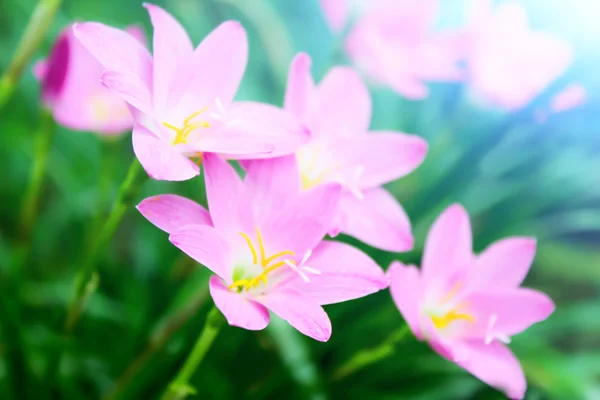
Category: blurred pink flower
<point>185,96</point>
<point>263,240</point>
<point>393,42</point>
<point>574,95</point>
<point>508,62</point>
<point>468,306</point>
<point>342,150</point>
<point>71,88</point>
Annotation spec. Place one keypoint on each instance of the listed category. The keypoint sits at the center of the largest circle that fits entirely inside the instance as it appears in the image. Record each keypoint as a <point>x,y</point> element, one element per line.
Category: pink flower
<point>394,43</point>
<point>185,96</point>
<point>342,150</point>
<point>509,63</point>
<point>468,306</point>
<point>574,95</point>
<point>263,241</point>
<point>72,90</point>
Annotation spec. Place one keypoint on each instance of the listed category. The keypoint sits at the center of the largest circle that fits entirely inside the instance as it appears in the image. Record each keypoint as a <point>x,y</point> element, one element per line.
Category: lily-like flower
<point>342,150</point>
<point>508,62</point>
<point>185,96</point>
<point>264,243</point>
<point>394,43</point>
<point>468,306</point>
<point>72,90</point>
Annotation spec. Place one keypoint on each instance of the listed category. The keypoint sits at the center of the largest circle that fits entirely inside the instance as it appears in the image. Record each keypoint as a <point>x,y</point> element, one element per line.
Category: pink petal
<point>160,160</point>
<point>495,365</point>
<point>205,245</point>
<point>376,219</point>
<point>234,144</point>
<point>264,124</point>
<point>129,88</point>
<point>504,263</point>
<point>302,222</point>
<point>138,34</point>
<point>172,47</point>
<point>40,67</point>
<point>507,311</point>
<point>237,309</point>
<point>224,191</point>
<point>116,50</point>
<point>448,248</point>
<point>170,212</point>
<point>336,13</point>
<point>385,156</point>
<point>406,288</point>
<point>344,104</point>
<point>300,89</point>
<point>302,312</point>
<point>346,274</point>
<point>214,70</point>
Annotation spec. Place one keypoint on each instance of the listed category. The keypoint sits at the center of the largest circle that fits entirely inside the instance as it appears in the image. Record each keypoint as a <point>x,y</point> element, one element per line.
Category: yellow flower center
<point>181,134</point>
<point>454,313</point>
<point>259,258</point>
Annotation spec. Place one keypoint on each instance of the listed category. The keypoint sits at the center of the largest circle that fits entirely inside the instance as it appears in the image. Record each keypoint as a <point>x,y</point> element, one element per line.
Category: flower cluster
<point>314,168</point>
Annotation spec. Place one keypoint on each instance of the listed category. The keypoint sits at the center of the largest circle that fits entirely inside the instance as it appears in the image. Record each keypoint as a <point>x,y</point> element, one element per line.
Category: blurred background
<point>526,167</point>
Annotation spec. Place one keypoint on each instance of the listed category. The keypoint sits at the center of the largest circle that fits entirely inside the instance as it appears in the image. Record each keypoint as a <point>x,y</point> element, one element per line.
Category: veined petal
<point>264,123</point>
<point>506,312</point>
<point>170,212</point>
<point>302,312</point>
<point>129,88</point>
<point>205,245</point>
<point>495,365</point>
<point>376,219</point>
<point>214,70</point>
<point>224,190</point>
<point>385,156</point>
<point>171,46</point>
<point>116,50</point>
<point>346,273</point>
<point>159,159</point>
<point>237,309</point>
<point>504,263</point>
<point>344,104</point>
<point>448,248</point>
<point>300,90</point>
<point>406,289</point>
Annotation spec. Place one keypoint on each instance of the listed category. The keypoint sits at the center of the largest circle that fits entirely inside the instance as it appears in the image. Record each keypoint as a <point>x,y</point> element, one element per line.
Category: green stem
<point>370,356</point>
<point>29,208</point>
<point>158,339</point>
<point>180,388</point>
<point>32,37</point>
<point>87,278</point>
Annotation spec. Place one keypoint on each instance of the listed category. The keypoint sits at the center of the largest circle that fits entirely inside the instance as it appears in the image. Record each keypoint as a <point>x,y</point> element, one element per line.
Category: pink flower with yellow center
<point>468,306</point>
<point>71,88</point>
<point>264,241</point>
<point>184,96</point>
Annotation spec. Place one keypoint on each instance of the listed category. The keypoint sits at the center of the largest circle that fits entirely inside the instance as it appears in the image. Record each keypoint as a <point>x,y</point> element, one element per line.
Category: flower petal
<point>116,50</point>
<point>266,124</point>
<point>214,70</point>
<point>237,309</point>
<point>346,273</point>
<point>506,312</point>
<point>129,88</point>
<point>205,245</point>
<point>302,312</point>
<point>376,219</point>
<point>171,46</point>
<point>385,156</point>
<point>170,212</point>
<point>448,248</point>
<point>300,89</point>
<point>159,159</point>
<point>233,144</point>
<point>344,104</point>
<point>224,190</point>
<point>504,263</point>
<point>406,287</point>
<point>495,365</point>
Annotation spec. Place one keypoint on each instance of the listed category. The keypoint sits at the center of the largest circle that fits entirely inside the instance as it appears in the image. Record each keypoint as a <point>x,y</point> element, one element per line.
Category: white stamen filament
<point>490,336</point>
<point>300,268</point>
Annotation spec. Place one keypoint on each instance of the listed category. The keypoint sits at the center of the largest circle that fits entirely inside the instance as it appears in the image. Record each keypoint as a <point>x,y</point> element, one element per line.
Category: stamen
<point>313,271</point>
<point>452,292</point>
<point>219,104</point>
<point>273,257</point>
<point>181,134</point>
<point>252,249</point>
<point>444,321</point>
<point>262,248</point>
